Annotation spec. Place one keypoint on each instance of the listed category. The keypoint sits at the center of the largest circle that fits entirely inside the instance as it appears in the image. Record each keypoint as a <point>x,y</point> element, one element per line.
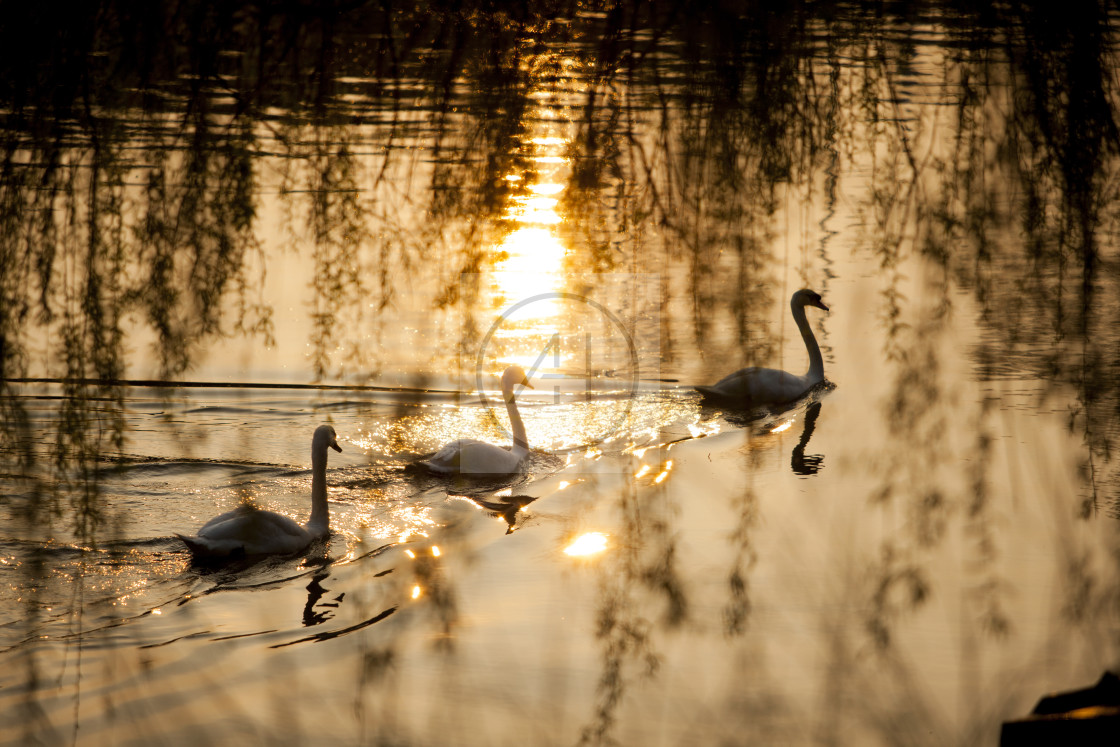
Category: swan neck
<point>319,511</point>
<point>520,441</point>
<point>816,362</point>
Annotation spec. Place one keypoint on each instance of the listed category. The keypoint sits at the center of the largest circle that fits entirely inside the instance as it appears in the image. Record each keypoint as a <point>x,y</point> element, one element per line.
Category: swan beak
<point>525,382</point>
<point>334,445</point>
<point>822,305</point>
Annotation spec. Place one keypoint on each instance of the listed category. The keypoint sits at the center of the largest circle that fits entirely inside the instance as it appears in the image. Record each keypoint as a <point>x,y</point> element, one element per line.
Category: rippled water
<point>224,243</point>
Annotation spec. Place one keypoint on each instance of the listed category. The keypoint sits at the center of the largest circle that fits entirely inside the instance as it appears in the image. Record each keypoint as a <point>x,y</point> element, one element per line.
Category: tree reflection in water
<point>131,179</point>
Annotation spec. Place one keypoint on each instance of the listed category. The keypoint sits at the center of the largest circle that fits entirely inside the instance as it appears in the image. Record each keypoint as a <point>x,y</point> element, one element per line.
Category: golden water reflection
<point>556,421</point>
<point>395,521</point>
<point>720,171</point>
<point>531,264</point>
<point>589,543</point>
<point>557,323</point>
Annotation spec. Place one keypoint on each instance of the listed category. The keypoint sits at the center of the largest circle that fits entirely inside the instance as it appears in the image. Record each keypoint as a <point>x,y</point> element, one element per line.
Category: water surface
<point>223,228</point>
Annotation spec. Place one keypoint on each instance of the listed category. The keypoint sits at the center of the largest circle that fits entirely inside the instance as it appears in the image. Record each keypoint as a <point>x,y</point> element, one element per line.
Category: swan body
<point>248,530</point>
<point>471,456</point>
<point>754,386</point>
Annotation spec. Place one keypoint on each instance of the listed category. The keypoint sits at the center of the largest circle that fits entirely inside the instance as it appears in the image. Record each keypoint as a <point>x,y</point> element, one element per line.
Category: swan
<point>752,387</point>
<point>470,456</point>
<point>248,530</point>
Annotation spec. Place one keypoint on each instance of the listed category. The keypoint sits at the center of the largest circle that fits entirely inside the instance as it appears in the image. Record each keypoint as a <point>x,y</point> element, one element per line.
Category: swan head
<point>513,376</point>
<point>806,297</point>
<point>324,437</point>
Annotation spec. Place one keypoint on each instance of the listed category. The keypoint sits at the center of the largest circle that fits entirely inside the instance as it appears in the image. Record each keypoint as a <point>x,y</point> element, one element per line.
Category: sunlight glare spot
<point>435,551</point>
<point>563,484</point>
<point>532,250</point>
<point>587,544</point>
<point>540,210</point>
<point>664,473</point>
<point>642,472</point>
<point>783,427</point>
<point>415,592</point>
<point>533,265</point>
<point>546,189</point>
<point>410,554</point>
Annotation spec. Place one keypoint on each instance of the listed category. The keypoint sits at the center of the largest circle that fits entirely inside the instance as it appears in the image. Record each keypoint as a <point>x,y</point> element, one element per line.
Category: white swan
<point>469,456</point>
<point>752,387</point>
<point>248,530</point>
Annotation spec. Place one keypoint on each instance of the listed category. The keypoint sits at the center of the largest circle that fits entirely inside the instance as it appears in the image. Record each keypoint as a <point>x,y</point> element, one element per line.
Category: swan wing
<point>735,388</point>
<point>227,516</point>
<point>201,547</point>
<point>488,459</point>
<point>248,531</point>
<point>471,456</point>
<point>750,387</point>
<point>448,458</point>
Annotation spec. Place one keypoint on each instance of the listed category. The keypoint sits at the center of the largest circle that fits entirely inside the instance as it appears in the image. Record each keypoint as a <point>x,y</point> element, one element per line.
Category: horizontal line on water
<point>158,383</point>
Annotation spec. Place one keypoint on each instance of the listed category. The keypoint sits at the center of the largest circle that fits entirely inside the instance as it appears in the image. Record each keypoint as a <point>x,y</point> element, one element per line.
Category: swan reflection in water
<point>507,507</point>
<point>315,592</point>
<point>804,464</point>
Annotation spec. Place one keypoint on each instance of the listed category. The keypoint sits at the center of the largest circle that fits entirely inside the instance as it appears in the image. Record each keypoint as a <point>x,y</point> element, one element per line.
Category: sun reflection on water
<point>782,427</point>
<point>393,520</point>
<point>538,207</point>
<point>572,331</point>
<point>589,543</point>
<point>531,263</point>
